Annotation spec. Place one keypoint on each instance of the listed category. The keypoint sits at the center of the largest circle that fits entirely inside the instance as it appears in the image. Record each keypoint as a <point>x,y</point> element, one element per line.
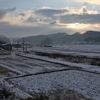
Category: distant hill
<point>62,37</point>
<point>91,39</point>
<point>4,38</point>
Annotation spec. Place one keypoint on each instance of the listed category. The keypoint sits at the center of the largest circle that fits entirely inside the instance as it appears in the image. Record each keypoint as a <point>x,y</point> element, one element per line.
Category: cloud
<point>3,14</point>
<point>31,20</point>
<point>47,20</point>
<point>91,1</point>
<point>10,9</point>
<point>81,11</point>
<point>84,10</point>
<point>85,18</point>
<point>52,23</point>
<point>50,12</point>
<point>67,16</point>
<point>22,14</point>
<point>59,16</point>
<point>27,30</point>
<point>19,31</point>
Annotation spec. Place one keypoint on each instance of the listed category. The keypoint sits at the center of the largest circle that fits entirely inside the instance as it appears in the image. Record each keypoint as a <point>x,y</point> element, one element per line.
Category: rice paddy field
<point>60,72</point>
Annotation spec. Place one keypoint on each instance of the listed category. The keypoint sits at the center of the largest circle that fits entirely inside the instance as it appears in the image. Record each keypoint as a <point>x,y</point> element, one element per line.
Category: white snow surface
<point>81,65</point>
<point>87,84</point>
<point>83,82</point>
<point>86,50</point>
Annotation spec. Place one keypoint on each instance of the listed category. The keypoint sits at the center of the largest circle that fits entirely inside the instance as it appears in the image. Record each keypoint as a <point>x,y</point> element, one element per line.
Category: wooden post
<point>23,44</point>
<point>26,47</point>
<point>17,44</point>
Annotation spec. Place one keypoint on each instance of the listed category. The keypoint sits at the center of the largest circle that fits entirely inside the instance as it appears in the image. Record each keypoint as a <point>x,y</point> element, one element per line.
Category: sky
<point>21,18</point>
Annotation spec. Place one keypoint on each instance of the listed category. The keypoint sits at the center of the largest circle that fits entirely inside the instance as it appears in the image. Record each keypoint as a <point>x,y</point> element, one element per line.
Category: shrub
<point>4,93</point>
<point>40,97</point>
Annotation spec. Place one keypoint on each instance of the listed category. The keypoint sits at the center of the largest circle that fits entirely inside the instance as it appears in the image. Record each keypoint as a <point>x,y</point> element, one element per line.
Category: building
<point>7,47</point>
<point>16,45</point>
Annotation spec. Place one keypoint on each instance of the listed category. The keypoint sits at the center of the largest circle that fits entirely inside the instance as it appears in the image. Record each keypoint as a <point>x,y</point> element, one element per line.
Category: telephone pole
<point>17,44</point>
<point>26,47</point>
<point>23,44</point>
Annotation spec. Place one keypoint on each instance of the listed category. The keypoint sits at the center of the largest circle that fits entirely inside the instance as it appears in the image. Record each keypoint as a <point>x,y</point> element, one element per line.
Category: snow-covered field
<point>85,83</point>
<point>82,77</point>
<point>87,50</point>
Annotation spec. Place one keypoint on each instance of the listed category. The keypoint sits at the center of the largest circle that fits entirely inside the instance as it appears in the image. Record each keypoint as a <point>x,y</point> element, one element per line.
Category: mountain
<point>4,38</point>
<point>57,37</point>
<point>62,37</point>
<point>91,33</point>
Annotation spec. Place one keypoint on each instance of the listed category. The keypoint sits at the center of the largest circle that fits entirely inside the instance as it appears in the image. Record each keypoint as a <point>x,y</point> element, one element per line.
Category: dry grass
<point>6,51</point>
<point>61,94</point>
<point>71,58</point>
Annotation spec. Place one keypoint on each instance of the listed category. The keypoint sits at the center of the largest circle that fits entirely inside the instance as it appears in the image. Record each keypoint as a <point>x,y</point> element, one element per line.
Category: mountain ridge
<point>63,37</point>
<point>4,38</point>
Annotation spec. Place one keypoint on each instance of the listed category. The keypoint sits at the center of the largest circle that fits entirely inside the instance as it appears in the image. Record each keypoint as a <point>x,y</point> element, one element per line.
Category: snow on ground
<point>86,50</point>
<point>23,66</point>
<point>89,48</point>
<point>83,82</point>
<point>81,65</point>
<point>87,84</point>
<point>19,93</point>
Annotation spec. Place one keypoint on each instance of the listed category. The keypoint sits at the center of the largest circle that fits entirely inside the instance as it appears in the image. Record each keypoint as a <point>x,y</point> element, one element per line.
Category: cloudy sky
<point>20,18</point>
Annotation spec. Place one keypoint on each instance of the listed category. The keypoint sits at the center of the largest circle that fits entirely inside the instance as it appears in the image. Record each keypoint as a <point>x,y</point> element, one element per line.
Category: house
<point>16,45</point>
<point>7,47</point>
<point>1,47</point>
<point>47,45</point>
<point>2,42</point>
<point>4,46</point>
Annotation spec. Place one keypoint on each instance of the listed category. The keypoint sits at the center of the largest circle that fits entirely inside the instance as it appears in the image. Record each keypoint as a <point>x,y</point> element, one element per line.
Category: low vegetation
<point>71,58</point>
<point>4,93</point>
<point>58,94</point>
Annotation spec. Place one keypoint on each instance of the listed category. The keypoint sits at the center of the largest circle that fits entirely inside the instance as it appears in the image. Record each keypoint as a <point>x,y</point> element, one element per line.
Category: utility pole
<point>26,47</point>
<point>17,44</point>
<point>23,44</point>
<point>13,41</point>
